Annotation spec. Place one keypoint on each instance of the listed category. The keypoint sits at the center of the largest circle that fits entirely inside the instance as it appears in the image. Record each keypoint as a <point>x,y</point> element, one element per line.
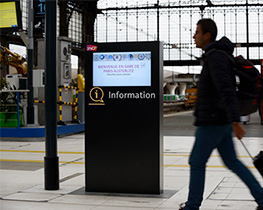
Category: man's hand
<point>238,130</point>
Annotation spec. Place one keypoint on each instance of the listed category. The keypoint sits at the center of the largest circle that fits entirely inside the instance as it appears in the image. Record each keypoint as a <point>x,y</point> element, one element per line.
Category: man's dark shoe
<point>181,206</point>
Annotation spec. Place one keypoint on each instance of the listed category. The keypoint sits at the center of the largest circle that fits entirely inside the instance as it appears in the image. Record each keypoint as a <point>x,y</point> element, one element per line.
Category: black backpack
<point>248,84</point>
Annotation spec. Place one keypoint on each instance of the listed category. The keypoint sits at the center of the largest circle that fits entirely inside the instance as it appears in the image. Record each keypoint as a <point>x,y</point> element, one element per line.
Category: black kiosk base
<point>123,118</point>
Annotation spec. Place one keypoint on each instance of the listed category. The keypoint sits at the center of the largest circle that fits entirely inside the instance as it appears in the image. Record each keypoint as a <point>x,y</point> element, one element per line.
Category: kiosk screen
<point>122,69</point>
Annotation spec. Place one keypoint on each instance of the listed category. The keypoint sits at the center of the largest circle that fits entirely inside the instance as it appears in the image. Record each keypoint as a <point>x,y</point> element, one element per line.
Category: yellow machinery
<point>191,95</point>
<point>81,83</point>
<point>13,59</point>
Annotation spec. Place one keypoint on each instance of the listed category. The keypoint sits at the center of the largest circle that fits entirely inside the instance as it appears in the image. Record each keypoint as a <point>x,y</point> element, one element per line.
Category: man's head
<point>206,32</point>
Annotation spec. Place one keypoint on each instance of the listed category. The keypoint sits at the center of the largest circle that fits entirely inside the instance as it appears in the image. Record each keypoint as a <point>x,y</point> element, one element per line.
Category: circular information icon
<point>130,56</point>
<point>102,57</point>
<point>96,58</point>
<point>117,57</point>
<point>141,56</point>
<point>96,94</point>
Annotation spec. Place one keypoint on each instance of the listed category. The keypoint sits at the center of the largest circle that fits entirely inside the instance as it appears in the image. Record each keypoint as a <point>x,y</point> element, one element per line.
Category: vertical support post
<point>261,94</point>
<point>60,122</point>
<point>158,21</point>
<point>60,104</point>
<point>76,106</point>
<point>247,28</point>
<point>75,117</point>
<point>17,98</point>
<point>30,55</point>
<point>51,158</point>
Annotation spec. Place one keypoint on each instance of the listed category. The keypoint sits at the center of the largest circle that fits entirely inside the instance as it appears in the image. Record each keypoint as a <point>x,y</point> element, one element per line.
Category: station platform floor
<point>22,174</point>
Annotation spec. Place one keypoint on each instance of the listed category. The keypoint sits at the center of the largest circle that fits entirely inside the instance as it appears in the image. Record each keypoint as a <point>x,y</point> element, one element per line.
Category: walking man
<point>217,115</point>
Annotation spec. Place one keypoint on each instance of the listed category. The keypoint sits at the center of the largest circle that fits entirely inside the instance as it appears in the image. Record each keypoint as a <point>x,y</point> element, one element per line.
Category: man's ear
<point>207,36</point>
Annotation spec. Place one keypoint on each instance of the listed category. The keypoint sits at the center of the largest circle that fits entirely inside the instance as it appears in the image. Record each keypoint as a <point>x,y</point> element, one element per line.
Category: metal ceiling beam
<point>181,6</point>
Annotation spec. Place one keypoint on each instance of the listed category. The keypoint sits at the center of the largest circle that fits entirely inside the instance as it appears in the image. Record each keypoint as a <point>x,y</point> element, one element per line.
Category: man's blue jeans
<point>207,139</point>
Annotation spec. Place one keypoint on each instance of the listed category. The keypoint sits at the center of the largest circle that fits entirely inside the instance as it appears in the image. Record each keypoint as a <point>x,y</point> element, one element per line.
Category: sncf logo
<point>91,48</point>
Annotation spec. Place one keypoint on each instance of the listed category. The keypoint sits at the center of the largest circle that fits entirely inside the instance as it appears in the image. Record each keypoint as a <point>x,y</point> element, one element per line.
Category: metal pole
<point>246,149</point>
<point>51,158</point>
<point>158,21</point>
<point>247,28</point>
<point>30,58</point>
<point>261,95</point>
<point>17,108</point>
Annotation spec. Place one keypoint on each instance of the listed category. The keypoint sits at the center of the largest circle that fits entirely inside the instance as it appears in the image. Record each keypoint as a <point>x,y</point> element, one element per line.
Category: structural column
<point>30,55</point>
<point>51,158</point>
<point>171,88</point>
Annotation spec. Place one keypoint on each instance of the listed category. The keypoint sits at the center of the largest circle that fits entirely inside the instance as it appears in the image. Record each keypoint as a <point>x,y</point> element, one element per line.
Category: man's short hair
<point>208,25</point>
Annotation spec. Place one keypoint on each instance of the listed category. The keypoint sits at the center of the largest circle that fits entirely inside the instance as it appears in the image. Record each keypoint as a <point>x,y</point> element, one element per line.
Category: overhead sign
<point>39,16</point>
<point>10,16</point>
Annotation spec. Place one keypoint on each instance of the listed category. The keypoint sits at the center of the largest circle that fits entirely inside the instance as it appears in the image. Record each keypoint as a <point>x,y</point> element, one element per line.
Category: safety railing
<point>74,104</point>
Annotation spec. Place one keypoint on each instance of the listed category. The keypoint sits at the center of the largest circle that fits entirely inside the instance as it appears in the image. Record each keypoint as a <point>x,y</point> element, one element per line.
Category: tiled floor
<point>21,186</point>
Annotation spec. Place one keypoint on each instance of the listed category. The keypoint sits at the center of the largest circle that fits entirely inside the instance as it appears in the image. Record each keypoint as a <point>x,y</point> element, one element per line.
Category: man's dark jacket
<point>217,102</point>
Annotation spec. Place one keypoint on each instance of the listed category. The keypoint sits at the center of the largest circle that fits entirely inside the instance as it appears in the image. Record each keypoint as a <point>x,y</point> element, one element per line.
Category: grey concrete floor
<point>181,124</point>
<point>22,174</point>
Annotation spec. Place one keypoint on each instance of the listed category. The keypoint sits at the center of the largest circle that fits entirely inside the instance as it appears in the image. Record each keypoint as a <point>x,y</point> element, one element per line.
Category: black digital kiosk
<point>123,117</point>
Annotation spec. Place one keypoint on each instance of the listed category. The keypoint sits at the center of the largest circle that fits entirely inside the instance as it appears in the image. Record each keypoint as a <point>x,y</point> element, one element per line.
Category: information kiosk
<point>123,117</point>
